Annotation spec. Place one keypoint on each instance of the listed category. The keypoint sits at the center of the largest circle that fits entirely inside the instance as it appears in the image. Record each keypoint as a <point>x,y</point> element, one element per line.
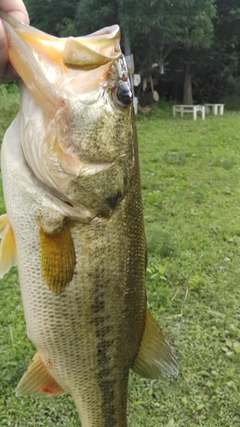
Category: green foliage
<point>159,27</point>
<point>91,12</point>
<point>51,16</point>
<point>187,22</point>
<point>232,102</point>
<point>227,26</point>
<point>9,105</point>
<point>218,76</point>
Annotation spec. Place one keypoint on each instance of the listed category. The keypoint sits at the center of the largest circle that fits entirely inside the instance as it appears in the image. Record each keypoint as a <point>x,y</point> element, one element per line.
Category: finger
<point>17,9</point>
<point>13,7</point>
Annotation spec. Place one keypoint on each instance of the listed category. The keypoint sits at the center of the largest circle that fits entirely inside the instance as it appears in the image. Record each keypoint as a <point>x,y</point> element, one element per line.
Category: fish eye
<point>123,95</point>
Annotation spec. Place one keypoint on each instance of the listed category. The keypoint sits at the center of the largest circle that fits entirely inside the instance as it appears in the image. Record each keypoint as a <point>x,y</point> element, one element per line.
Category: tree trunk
<point>126,41</point>
<point>127,51</point>
<point>187,91</point>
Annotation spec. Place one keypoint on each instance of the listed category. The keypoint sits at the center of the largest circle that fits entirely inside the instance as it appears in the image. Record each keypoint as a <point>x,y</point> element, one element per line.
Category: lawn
<point>191,193</point>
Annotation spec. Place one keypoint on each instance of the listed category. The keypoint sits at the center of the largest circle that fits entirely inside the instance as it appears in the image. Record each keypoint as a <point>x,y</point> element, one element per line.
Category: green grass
<point>191,193</point>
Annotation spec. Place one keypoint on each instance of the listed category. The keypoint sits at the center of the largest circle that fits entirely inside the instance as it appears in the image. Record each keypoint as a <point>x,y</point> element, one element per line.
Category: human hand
<point>17,9</point>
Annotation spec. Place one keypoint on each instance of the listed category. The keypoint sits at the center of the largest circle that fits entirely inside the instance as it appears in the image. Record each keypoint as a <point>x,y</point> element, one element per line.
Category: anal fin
<point>37,381</point>
<point>8,255</point>
<point>155,357</point>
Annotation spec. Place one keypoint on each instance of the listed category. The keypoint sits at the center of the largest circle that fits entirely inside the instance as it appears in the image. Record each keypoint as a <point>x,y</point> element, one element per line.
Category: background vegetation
<point>190,184</point>
<point>194,44</point>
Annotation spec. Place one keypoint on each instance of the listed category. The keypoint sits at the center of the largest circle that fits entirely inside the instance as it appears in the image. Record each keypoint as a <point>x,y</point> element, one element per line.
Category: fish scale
<point>74,223</point>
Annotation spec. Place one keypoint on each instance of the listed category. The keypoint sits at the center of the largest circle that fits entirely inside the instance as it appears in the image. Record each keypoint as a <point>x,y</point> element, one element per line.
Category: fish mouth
<point>84,52</point>
<point>47,64</point>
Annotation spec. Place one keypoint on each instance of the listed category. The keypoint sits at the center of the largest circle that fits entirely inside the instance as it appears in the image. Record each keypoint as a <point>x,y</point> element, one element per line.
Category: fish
<point>74,223</point>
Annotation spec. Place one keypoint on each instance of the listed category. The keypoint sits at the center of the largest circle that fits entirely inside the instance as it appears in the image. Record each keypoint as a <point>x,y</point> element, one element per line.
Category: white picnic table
<point>216,108</point>
<point>182,109</point>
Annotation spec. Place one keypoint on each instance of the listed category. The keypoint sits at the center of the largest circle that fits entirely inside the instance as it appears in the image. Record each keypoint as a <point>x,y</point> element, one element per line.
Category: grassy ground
<point>191,193</point>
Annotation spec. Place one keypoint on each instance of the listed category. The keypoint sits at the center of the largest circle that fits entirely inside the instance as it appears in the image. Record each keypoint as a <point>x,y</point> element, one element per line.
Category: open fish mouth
<point>85,60</point>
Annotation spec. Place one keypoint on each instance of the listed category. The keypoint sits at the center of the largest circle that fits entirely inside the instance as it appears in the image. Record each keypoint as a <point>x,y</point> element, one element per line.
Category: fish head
<point>77,120</point>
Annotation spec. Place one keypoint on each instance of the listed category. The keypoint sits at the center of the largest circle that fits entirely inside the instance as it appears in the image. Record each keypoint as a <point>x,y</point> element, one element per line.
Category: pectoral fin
<point>38,381</point>
<point>57,258</point>
<point>7,246</point>
<point>155,357</point>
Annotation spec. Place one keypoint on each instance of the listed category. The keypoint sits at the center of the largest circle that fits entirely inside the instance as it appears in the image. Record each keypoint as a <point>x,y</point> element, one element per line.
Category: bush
<point>232,102</point>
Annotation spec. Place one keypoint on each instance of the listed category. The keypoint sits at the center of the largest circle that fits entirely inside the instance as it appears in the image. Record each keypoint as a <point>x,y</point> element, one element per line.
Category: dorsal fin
<point>8,254</point>
<point>155,357</point>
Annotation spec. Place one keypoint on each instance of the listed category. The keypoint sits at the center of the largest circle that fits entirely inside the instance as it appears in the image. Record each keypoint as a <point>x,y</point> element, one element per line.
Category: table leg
<point>203,113</point>
<point>194,113</point>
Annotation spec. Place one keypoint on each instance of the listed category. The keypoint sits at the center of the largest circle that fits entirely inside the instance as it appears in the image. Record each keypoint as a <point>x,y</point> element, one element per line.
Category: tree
<point>51,16</point>
<point>92,15</point>
<point>219,74</point>
<point>169,24</point>
<point>227,41</point>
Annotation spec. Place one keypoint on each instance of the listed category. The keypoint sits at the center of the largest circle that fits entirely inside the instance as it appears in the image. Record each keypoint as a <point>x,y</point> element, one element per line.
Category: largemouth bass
<point>74,223</point>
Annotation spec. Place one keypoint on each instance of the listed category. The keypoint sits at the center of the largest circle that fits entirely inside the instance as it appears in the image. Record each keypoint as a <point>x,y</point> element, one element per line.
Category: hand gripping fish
<point>74,223</point>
